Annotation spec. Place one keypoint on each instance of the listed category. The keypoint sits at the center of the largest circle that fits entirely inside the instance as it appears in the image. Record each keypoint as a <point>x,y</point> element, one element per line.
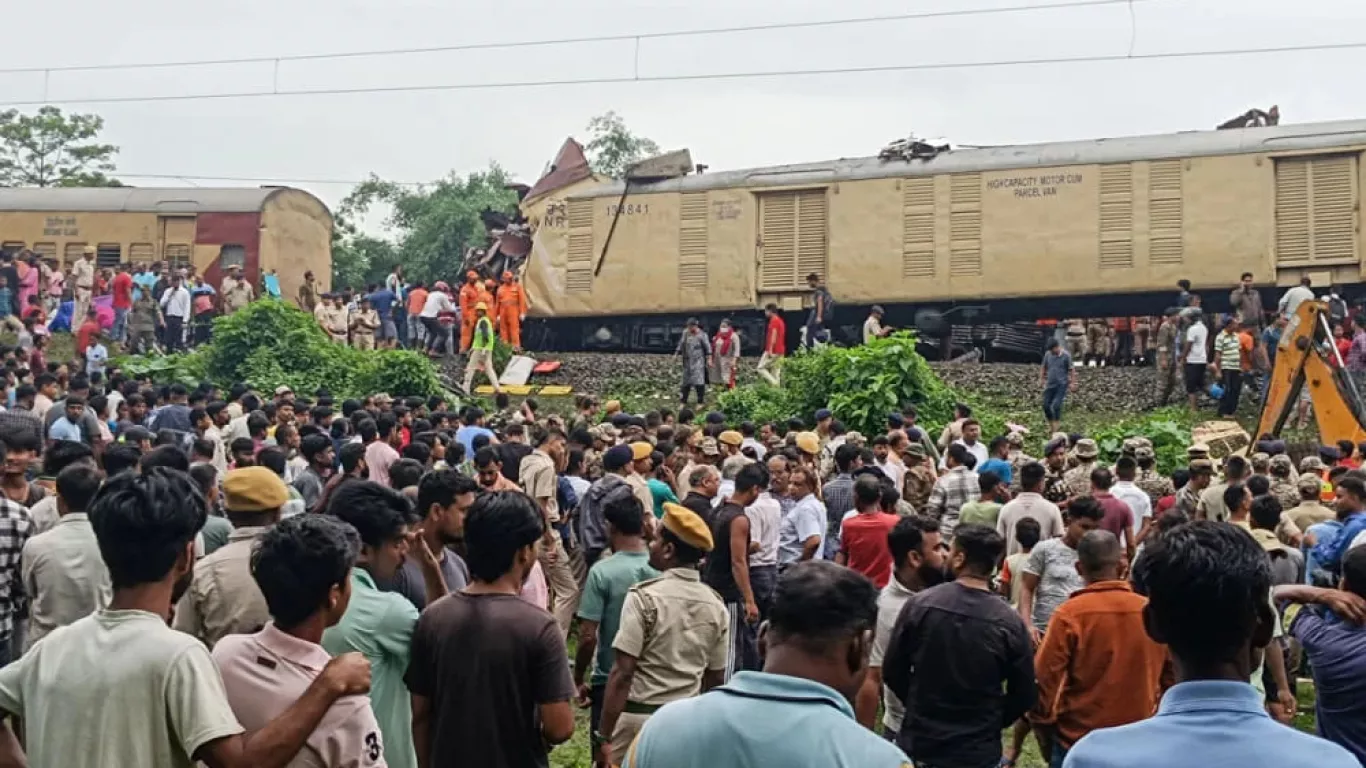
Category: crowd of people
<point>269,579</point>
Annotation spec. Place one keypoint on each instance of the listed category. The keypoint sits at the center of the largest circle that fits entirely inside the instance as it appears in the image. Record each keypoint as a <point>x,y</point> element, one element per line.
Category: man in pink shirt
<point>303,567</point>
<point>380,453</point>
<point>1119,518</point>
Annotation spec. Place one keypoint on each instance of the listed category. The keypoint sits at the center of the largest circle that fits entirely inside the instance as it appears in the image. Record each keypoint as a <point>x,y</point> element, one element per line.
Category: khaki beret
<point>254,489</point>
<point>809,442</point>
<point>641,451</point>
<point>687,525</point>
<point>611,407</point>
<point>731,437</point>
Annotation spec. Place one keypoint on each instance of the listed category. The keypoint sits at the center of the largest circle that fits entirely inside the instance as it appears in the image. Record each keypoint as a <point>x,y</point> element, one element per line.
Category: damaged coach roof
<point>1281,138</point>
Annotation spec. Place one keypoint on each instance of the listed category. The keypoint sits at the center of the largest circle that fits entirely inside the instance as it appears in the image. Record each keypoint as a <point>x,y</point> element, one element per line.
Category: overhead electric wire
<point>266,179</point>
<point>621,37</point>
<point>753,75</point>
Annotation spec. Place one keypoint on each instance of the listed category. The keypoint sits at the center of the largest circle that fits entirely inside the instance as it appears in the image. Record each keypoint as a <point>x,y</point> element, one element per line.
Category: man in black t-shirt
<point>727,567</point>
<point>488,671</point>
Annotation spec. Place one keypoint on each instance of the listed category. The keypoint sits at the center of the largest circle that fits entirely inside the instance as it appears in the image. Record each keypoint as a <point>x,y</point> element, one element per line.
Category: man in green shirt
<point>376,623</point>
<point>987,508</point>
<point>603,595</point>
<point>481,350</point>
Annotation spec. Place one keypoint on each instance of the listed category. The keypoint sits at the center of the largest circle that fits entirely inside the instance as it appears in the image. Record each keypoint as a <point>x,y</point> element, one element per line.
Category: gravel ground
<point>1098,389</point>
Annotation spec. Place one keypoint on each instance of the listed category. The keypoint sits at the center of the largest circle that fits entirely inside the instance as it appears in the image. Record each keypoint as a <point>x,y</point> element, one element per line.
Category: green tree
<point>613,148</point>
<point>431,226</point>
<point>51,149</point>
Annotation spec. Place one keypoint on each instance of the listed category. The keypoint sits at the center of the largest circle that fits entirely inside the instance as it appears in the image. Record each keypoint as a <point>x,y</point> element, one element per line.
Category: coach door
<point>793,242</point>
<point>176,240</point>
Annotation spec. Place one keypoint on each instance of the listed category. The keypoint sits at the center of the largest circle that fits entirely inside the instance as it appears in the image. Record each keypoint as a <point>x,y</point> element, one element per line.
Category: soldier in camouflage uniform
<point>1017,458</point>
<point>1261,464</point>
<point>1188,498</point>
<point>919,478</point>
<point>1097,341</point>
<point>604,437</point>
<point>1149,480</point>
<point>1077,481</point>
<point>1283,481</point>
<point>1055,461</point>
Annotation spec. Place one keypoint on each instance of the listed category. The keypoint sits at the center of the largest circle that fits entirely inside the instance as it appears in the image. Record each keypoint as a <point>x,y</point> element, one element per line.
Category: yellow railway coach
<point>265,229</point>
<point>1086,228</point>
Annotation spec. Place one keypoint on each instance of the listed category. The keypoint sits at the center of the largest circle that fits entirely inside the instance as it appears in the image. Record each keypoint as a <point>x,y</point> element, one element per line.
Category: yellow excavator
<point>1308,360</point>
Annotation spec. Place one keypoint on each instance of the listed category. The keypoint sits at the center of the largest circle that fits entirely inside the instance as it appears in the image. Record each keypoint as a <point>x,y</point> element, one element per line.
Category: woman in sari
<point>727,349</point>
<point>27,266</point>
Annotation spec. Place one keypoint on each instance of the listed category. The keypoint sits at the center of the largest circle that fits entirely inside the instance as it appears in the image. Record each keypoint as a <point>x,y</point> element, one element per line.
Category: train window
<point>232,256</point>
<point>177,255</point>
<point>108,255</point>
<point>12,247</point>
<point>73,253</point>
<point>46,251</point>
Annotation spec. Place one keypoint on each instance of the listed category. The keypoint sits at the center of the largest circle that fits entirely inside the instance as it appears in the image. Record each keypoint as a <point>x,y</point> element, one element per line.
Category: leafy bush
<point>269,343</point>
<point>861,384</point>
<point>1169,429</point>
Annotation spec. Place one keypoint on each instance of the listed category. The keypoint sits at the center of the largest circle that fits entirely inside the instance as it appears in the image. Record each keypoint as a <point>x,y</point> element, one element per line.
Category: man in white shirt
<point>765,518</point>
<point>1196,358</point>
<point>438,302</point>
<point>175,307</point>
<point>63,572</point>
<point>1126,469</point>
<point>1293,298</point>
<point>972,432</point>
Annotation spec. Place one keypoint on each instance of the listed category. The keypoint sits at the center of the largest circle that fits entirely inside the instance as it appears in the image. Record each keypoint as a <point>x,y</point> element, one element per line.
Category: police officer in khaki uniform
<point>1076,340</point>
<point>673,637</point>
<point>223,599</point>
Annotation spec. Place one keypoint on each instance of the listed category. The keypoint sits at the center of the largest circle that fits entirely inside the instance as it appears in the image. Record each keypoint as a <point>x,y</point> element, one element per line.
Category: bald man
<point>1081,689</point>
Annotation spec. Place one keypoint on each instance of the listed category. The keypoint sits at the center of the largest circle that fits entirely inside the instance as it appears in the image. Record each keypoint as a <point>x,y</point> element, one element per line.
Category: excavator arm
<point>1307,357</point>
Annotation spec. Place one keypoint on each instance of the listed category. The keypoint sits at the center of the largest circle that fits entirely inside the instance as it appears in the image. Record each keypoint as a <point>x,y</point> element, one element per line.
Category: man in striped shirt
<point>1228,358</point>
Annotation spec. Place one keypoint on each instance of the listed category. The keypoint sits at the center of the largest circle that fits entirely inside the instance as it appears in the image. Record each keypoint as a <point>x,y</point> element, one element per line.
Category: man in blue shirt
<point>472,428</point>
<point>383,303</point>
<point>796,712</point>
<point>1328,626</point>
<point>998,450</point>
<point>1351,507</point>
<point>1208,586</point>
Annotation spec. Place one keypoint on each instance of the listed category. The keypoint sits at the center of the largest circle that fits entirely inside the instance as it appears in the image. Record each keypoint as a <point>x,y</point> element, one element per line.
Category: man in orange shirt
<point>511,310</point>
<point>1097,667</point>
<point>469,296</point>
<point>417,332</point>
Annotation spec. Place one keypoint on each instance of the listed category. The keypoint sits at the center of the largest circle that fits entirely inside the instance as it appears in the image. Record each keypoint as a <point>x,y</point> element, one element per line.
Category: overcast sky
<point>727,123</point>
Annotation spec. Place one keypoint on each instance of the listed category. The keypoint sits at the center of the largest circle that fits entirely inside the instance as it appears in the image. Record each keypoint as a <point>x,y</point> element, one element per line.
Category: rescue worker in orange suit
<point>488,296</point>
<point>511,310</point>
<point>469,296</point>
